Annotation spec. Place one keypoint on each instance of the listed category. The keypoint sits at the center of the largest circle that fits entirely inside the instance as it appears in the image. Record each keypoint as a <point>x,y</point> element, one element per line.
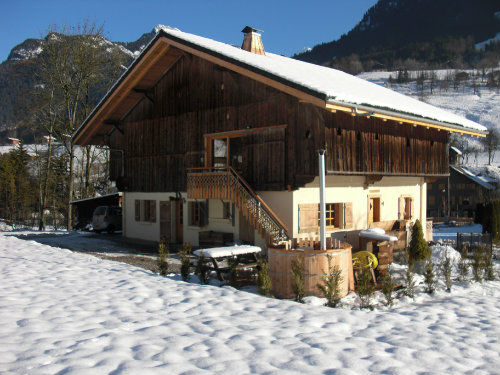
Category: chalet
<point>457,197</point>
<point>209,140</point>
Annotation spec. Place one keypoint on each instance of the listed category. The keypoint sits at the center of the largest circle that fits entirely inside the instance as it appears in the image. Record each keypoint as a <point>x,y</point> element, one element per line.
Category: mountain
<point>437,33</point>
<point>19,74</point>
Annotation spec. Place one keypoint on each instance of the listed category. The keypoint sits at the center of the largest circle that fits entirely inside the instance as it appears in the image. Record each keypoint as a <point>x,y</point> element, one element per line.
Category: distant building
<point>458,195</point>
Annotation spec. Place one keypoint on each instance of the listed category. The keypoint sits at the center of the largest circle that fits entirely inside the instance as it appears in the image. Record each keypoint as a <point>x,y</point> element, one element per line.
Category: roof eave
<point>386,114</point>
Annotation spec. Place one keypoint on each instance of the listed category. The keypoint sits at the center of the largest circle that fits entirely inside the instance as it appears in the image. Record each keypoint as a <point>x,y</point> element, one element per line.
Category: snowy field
<point>63,312</point>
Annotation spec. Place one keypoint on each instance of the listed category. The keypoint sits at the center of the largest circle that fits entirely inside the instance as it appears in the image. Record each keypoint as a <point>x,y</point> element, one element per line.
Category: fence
<point>474,240</point>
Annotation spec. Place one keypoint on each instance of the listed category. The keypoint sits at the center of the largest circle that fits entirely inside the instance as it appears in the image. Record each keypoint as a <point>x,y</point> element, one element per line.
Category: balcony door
<point>226,151</point>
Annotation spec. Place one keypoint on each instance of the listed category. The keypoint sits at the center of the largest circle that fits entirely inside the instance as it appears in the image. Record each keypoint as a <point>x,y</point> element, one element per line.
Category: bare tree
<point>492,143</point>
<point>75,64</point>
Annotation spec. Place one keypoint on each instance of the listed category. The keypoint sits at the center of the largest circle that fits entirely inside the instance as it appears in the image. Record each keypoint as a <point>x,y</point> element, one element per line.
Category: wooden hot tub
<point>315,269</point>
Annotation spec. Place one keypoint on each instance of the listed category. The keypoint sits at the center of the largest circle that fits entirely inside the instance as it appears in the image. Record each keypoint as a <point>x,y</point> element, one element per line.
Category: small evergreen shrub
<point>489,272</point>
<point>446,269</point>
<point>478,263</point>
<point>463,265</point>
<point>298,278</point>
<point>184,256</point>
<point>388,288</point>
<point>331,284</point>
<point>410,283</point>
<point>233,272</point>
<point>365,287</point>
<point>202,270</point>
<point>418,250</point>
<point>163,254</point>
<point>264,284</point>
<point>430,277</point>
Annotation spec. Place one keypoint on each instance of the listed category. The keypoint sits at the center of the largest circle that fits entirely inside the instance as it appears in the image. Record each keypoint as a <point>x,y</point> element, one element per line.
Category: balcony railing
<point>226,183</point>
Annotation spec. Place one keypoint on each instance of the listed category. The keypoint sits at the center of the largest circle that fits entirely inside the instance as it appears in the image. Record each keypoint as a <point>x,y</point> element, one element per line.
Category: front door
<point>373,210</point>
<point>165,220</point>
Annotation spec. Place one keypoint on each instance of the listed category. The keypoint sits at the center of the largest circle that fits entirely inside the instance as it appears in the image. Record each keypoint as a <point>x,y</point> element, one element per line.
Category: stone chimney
<point>252,41</point>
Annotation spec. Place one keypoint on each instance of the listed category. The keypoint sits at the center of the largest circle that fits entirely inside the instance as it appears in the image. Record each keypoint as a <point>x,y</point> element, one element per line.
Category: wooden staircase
<point>226,183</point>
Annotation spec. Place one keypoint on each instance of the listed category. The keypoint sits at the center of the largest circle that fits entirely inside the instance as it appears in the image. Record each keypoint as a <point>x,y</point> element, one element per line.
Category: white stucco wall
<point>353,189</point>
<point>285,204</point>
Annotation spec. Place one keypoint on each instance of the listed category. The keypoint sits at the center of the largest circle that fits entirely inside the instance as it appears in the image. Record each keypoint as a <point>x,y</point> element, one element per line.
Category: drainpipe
<point>322,203</point>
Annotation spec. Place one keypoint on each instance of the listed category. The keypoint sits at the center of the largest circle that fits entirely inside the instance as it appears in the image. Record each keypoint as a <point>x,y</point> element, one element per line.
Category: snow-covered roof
<point>480,180</point>
<point>333,89</point>
<point>456,150</point>
<point>334,86</point>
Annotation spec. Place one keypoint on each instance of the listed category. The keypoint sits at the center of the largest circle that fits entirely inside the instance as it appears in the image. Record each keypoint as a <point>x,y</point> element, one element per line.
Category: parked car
<point>108,218</point>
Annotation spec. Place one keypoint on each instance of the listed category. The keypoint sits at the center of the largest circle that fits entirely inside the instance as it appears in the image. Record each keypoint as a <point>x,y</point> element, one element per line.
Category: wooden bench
<point>245,256</point>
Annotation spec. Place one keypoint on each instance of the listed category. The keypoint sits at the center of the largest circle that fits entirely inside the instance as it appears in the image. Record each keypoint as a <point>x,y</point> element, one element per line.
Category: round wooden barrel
<point>315,269</point>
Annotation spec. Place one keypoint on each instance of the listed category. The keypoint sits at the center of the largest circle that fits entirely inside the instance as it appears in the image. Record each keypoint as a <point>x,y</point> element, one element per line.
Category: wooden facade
<point>171,126</point>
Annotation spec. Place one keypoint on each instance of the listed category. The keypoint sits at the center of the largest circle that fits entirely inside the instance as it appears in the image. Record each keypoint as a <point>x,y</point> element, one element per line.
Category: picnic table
<point>244,256</point>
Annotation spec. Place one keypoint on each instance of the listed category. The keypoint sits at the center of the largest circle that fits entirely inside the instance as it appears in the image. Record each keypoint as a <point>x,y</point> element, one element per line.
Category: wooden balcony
<point>226,183</point>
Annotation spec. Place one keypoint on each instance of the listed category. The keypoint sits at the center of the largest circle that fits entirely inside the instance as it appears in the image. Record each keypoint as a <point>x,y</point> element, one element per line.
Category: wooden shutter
<point>401,211</point>
<point>203,213</point>
<point>137,210</point>
<point>348,218</point>
<point>152,211</point>
<point>412,212</point>
<point>308,218</point>
<point>339,215</point>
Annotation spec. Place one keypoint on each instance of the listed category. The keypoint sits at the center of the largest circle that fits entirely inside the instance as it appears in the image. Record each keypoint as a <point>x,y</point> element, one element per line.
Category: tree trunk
<point>70,186</point>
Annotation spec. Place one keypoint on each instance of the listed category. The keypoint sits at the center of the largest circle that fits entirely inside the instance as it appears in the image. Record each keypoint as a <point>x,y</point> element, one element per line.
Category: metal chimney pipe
<point>322,203</point>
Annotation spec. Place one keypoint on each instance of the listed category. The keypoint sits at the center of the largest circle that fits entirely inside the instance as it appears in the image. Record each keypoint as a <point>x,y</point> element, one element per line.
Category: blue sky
<point>289,26</point>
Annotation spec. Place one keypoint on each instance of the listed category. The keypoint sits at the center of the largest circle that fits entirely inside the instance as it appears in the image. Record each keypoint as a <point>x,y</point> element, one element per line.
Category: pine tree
<point>365,287</point>
<point>184,256</point>
<point>410,283</point>
<point>478,263</point>
<point>331,284</point>
<point>298,278</point>
<point>388,288</point>
<point>202,270</point>
<point>489,272</point>
<point>264,284</point>
<point>418,250</point>
<point>430,278</point>
<point>446,269</point>
<point>163,254</point>
<point>463,265</point>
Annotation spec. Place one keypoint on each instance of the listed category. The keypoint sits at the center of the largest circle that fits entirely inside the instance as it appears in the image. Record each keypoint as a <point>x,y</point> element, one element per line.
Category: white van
<point>108,218</point>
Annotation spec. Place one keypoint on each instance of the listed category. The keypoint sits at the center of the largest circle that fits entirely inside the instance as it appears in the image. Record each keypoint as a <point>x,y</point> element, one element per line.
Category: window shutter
<point>348,215</point>
<point>412,203</point>
<point>203,213</point>
<point>152,211</point>
<point>339,215</point>
<point>137,210</point>
<point>401,208</point>
<point>308,218</point>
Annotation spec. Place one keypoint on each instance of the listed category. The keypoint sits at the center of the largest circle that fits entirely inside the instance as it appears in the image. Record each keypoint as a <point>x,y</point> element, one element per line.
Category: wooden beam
<point>120,92</point>
<point>400,119</point>
<point>248,73</point>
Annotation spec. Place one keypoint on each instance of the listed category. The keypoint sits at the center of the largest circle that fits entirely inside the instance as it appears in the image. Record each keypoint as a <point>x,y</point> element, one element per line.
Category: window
<point>338,215</point>
<point>198,213</point>
<point>406,207</point>
<point>145,210</point>
<point>226,210</point>
<point>329,215</point>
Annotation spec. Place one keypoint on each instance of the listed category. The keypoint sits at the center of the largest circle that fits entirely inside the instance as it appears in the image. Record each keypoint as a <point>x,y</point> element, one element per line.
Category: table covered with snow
<point>227,251</point>
<point>377,234</point>
<point>244,256</point>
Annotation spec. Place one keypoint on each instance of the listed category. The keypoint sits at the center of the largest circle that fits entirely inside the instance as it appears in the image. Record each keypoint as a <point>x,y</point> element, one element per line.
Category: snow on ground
<point>64,312</point>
